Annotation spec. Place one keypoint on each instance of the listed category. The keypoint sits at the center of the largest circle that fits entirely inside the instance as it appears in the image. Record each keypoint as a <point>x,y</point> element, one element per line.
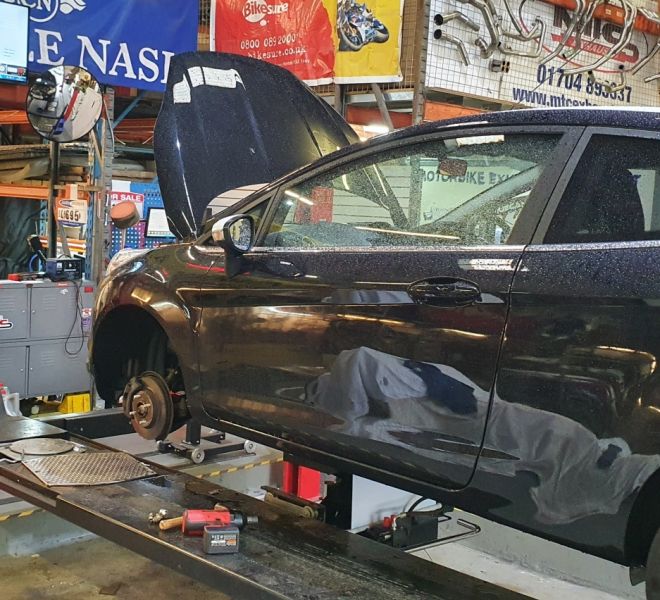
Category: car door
<point>366,322</point>
<point>577,405</point>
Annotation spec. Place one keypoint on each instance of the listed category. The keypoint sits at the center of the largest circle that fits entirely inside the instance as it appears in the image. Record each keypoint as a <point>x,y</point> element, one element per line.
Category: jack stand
<point>338,501</point>
<point>191,446</point>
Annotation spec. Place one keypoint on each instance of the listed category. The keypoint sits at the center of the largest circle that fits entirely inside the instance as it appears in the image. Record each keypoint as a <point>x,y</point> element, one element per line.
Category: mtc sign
<point>121,42</point>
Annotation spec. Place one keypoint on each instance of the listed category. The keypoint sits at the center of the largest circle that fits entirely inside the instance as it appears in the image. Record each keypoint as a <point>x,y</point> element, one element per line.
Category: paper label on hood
<point>225,78</point>
<point>196,76</point>
<point>181,92</point>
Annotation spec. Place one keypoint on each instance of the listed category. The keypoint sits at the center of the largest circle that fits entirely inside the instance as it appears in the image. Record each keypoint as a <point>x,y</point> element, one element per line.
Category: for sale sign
<point>137,199</point>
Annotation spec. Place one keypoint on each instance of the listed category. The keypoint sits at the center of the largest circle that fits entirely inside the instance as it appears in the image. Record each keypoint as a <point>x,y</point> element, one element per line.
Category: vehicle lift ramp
<point>283,557</point>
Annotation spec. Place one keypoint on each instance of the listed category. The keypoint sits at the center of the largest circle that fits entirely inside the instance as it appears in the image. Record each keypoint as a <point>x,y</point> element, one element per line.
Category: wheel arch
<point>139,333</point>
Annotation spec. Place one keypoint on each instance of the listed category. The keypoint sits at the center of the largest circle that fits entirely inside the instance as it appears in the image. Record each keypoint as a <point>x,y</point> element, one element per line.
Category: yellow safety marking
<point>262,463</point>
<point>25,513</point>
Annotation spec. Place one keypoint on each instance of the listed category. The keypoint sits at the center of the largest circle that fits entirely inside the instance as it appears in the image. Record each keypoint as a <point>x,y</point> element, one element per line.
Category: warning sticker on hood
<point>181,92</point>
<point>226,78</point>
<point>223,78</point>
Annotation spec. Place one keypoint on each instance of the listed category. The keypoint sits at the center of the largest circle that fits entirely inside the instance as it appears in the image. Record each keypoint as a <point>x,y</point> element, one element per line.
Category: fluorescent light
<point>412,233</point>
<point>375,128</point>
<point>479,139</point>
<point>299,197</point>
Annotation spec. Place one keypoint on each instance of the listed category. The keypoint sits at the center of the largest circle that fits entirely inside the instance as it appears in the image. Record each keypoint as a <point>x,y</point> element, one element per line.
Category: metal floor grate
<point>94,468</point>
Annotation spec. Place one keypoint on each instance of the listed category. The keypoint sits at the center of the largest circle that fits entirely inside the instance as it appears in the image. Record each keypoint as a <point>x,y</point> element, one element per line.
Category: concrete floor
<point>94,569</point>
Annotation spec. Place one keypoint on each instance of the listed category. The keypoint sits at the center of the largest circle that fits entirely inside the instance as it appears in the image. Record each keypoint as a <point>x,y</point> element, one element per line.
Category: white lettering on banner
<point>181,92</point>
<point>166,64</point>
<point>255,11</point>
<point>96,51</point>
<point>225,78</point>
<point>123,60</point>
<point>87,46</point>
<point>45,48</point>
<point>42,11</point>
<point>150,64</point>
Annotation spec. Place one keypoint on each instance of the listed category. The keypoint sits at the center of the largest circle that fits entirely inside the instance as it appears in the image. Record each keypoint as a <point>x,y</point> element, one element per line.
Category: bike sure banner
<point>121,42</point>
<point>295,34</point>
<point>320,41</point>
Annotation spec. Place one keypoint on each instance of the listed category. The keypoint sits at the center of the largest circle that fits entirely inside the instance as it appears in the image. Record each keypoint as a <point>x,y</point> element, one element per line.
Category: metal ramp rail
<point>284,557</point>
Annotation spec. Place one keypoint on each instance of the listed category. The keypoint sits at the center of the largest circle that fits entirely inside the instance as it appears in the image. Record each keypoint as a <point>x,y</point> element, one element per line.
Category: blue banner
<point>121,42</point>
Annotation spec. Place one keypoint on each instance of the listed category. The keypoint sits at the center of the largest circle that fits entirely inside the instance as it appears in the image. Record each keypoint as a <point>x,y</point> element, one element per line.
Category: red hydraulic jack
<point>302,482</point>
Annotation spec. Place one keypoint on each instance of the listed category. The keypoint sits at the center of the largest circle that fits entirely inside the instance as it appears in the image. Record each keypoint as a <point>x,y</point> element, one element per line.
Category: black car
<point>466,309</point>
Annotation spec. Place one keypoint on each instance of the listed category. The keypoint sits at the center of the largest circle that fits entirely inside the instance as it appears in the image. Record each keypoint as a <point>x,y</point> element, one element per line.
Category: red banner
<point>294,34</point>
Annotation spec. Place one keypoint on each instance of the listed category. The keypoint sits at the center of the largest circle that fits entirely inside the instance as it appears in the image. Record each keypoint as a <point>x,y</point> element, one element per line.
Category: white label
<point>181,92</point>
<point>196,77</point>
<point>225,78</point>
<point>75,212</point>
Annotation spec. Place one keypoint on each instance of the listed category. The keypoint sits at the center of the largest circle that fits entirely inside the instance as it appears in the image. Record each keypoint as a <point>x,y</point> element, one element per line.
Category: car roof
<point>630,118</point>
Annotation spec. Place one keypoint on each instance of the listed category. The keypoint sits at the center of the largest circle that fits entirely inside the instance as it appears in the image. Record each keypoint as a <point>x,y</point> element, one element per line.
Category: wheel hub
<point>148,405</point>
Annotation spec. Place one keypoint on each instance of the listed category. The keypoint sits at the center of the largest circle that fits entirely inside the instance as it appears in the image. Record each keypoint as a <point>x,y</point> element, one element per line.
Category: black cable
<point>77,318</point>
<point>416,503</point>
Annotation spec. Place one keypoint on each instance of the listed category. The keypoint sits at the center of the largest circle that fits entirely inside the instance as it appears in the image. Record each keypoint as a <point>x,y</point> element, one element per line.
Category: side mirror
<point>234,233</point>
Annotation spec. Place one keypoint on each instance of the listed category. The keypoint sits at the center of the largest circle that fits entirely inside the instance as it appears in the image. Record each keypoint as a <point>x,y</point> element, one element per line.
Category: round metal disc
<point>149,406</point>
<point>41,446</point>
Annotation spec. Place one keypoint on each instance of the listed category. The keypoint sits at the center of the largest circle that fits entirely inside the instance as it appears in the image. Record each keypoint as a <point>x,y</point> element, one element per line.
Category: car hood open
<point>228,121</point>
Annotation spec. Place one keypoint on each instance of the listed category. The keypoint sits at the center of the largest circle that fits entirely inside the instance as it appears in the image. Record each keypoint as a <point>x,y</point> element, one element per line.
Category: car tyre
<point>653,570</point>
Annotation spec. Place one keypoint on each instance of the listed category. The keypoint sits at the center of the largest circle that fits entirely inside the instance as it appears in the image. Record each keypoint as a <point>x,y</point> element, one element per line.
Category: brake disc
<point>148,405</point>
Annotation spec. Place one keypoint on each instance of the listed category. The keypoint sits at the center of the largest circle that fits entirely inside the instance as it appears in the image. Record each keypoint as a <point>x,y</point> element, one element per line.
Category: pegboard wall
<point>529,81</point>
<point>135,236</point>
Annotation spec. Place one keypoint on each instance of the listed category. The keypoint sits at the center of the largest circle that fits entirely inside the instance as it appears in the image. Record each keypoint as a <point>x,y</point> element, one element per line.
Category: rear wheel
<point>653,570</point>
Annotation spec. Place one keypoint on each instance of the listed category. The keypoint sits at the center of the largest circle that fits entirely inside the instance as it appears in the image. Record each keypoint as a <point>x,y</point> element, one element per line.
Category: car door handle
<point>444,291</point>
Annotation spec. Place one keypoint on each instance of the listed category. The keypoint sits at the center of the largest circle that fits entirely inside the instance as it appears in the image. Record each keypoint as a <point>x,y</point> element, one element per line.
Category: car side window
<point>257,213</point>
<point>460,191</point>
<point>613,195</point>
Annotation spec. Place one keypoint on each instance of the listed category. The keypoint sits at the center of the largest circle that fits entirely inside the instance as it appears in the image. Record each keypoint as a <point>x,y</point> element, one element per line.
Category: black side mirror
<point>234,233</point>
